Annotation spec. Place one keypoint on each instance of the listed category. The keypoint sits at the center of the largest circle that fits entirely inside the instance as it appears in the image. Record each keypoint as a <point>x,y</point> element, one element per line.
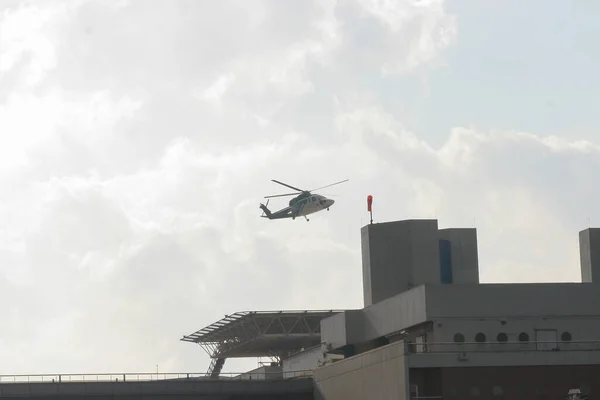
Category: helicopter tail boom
<point>283,213</point>
<point>267,212</point>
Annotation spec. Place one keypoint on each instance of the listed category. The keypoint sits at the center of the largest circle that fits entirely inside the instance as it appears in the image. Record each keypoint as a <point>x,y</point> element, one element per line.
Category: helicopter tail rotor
<point>266,212</point>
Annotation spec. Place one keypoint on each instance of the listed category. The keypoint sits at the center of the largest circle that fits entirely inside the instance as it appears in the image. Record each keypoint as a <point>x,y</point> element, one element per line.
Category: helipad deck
<point>261,333</point>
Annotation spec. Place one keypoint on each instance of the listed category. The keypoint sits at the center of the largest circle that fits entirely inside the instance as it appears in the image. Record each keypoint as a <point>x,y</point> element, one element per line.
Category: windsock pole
<point>369,206</point>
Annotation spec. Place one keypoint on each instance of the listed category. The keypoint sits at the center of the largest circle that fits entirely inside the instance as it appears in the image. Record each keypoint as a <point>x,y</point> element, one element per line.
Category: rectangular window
<point>445,261</point>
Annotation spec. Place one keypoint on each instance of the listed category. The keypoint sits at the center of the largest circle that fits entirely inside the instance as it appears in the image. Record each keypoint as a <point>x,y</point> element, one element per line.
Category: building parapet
<point>146,377</point>
<point>511,347</point>
<point>446,355</point>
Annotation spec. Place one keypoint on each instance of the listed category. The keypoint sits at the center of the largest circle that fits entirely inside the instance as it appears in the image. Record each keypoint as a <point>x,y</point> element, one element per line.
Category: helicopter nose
<point>330,202</point>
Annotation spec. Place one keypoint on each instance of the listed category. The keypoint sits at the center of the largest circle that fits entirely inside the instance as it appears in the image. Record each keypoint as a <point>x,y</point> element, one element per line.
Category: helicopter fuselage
<point>306,204</point>
<point>299,198</point>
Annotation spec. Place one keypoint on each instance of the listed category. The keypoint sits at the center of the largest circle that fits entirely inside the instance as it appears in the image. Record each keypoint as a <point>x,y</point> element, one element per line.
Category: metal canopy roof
<point>261,333</point>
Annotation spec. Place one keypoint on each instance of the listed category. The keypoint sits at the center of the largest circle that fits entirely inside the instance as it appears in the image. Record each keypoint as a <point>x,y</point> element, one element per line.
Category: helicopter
<point>303,204</point>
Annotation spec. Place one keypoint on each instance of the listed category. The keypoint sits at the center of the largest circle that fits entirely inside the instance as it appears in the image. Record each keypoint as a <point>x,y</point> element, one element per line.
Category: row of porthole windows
<point>503,337</point>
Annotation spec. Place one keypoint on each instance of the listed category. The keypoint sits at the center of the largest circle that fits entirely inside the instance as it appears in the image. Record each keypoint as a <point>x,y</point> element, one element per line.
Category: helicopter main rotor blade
<point>285,184</point>
<point>281,195</point>
<point>337,183</point>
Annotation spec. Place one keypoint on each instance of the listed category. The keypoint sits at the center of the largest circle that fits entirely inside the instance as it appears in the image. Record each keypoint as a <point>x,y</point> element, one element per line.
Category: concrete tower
<point>458,247</point>
<point>398,256</point>
<point>589,254</point>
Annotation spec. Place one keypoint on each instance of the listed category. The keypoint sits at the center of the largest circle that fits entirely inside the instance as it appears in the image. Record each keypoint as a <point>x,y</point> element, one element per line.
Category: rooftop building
<point>430,329</point>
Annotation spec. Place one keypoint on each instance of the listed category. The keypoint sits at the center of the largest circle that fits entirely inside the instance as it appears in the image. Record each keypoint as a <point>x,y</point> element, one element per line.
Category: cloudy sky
<point>138,138</point>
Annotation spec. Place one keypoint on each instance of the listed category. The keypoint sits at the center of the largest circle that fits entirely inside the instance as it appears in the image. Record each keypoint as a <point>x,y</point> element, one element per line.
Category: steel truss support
<point>228,335</point>
<point>273,334</point>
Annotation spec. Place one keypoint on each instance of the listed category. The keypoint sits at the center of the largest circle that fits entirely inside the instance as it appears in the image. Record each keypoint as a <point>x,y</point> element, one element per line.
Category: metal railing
<point>502,347</point>
<point>153,377</point>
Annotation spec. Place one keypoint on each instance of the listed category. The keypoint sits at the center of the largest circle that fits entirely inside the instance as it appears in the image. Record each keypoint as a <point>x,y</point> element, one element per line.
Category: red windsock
<point>369,202</point>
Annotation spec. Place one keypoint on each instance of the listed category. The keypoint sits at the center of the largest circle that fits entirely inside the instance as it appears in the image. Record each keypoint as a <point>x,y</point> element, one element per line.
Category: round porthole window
<point>502,338</point>
<point>480,337</point>
<point>565,337</point>
<point>459,338</point>
<point>523,337</point>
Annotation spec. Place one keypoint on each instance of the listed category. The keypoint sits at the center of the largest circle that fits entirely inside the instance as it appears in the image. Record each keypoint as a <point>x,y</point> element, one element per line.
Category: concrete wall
<point>377,374</point>
<point>389,316</point>
<point>589,252</point>
<point>365,243</point>
<point>474,308</point>
<point>487,383</point>
<point>424,252</point>
<point>522,334</point>
<point>164,389</point>
<point>512,300</point>
<point>344,328</point>
<point>398,256</point>
<point>464,254</point>
<point>395,314</point>
<point>305,360</point>
<point>264,372</point>
<point>502,359</point>
<point>543,382</point>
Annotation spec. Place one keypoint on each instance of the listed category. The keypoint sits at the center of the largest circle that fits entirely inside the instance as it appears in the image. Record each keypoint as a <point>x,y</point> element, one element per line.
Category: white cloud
<point>425,26</point>
<point>215,92</point>
<point>22,34</point>
<point>38,123</point>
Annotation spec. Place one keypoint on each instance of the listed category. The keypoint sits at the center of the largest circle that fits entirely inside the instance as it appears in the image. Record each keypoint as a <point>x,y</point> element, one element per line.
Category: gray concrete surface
<point>398,256</point>
<point>395,314</point>
<point>282,389</point>
<point>522,334</point>
<point>464,253</point>
<point>302,361</point>
<point>263,373</point>
<point>344,328</point>
<point>473,308</point>
<point>502,359</point>
<point>512,300</point>
<point>375,375</point>
<point>589,253</point>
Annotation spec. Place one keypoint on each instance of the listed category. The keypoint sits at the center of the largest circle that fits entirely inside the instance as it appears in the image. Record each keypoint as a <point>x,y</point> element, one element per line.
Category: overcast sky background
<point>138,138</point>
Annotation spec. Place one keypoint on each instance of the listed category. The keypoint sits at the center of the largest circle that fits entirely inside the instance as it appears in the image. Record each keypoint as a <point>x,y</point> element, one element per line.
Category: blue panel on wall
<point>445,261</point>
